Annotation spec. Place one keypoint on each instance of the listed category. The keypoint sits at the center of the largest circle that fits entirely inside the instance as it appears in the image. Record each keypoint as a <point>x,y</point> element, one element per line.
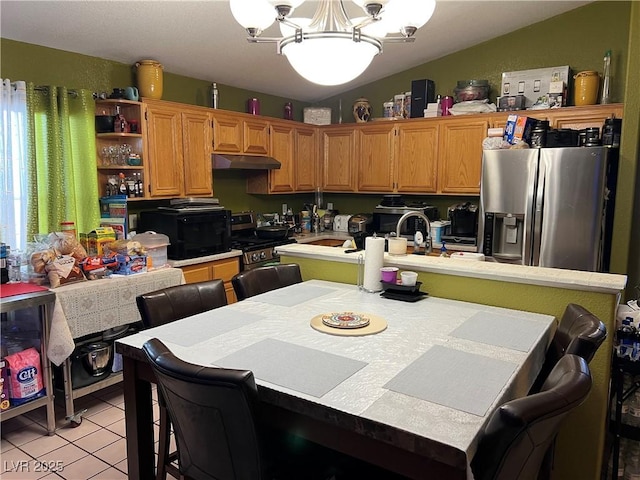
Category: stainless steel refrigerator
<point>551,207</point>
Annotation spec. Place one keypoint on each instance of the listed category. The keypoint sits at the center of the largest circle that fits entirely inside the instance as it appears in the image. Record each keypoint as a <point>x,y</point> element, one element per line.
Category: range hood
<point>243,162</point>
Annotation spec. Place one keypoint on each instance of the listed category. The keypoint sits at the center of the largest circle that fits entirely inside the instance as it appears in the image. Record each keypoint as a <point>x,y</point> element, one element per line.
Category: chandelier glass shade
<point>331,48</point>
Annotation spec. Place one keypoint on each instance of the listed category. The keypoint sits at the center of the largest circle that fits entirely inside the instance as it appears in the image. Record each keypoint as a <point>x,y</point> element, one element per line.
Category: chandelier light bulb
<point>253,14</point>
<point>399,14</point>
<point>330,61</point>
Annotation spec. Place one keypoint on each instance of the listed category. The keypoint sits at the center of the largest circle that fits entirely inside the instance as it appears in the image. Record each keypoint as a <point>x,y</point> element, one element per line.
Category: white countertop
<point>207,258</point>
<point>553,277</point>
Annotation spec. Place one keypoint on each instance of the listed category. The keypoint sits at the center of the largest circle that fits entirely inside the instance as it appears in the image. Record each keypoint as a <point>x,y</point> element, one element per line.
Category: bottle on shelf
<point>606,78</point>
<point>122,184</point>
<point>120,124</point>
<point>214,95</point>
<point>139,185</point>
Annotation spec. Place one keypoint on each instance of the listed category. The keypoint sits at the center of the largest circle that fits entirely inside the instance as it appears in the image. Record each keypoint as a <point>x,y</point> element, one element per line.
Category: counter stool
<point>519,433</point>
<point>264,279</point>
<point>165,306</point>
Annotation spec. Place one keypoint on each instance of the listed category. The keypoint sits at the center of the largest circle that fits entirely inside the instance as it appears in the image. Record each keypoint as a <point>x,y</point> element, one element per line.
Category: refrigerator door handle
<point>538,212</point>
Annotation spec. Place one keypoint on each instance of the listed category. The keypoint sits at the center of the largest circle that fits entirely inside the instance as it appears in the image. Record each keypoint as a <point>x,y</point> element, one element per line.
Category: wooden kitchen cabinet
<point>375,154</point>
<point>417,157</point>
<point>109,164</point>
<point>239,133</point>
<point>460,154</point>
<point>306,159</point>
<point>223,269</point>
<point>296,148</point>
<point>579,118</point>
<point>338,159</point>
<point>281,180</point>
<point>179,150</point>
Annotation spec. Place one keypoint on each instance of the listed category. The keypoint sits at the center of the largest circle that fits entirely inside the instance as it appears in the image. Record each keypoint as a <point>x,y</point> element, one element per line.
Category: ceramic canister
<point>149,78</point>
<point>585,88</point>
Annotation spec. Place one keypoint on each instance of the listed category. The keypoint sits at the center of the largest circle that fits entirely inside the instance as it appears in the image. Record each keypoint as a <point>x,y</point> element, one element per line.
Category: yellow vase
<point>149,78</point>
<point>585,88</point>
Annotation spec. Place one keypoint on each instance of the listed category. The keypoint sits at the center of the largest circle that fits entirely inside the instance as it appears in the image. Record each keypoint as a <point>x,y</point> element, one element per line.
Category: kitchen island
<point>535,289</point>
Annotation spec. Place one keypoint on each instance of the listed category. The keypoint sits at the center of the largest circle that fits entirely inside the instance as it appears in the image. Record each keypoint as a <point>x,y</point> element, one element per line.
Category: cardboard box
<point>119,226</point>
<point>97,238</point>
<point>533,83</point>
<point>130,264</point>
<point>518,128</point>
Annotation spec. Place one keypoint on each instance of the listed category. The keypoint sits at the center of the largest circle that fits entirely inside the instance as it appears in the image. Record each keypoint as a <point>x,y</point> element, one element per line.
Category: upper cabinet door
<point>417,157</point>
<point>256,136</point>
<point>306,158</point>
<point>282,149</point>
<point>460,154</point>
<point>585,117</point>
<point>196,137</point>
<point>164,141</point>
<point>227,133</point>
<point>338,159</point>
<point>376,154</point>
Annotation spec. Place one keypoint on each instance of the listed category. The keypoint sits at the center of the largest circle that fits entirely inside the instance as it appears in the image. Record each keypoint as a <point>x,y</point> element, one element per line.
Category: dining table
<point>408,387</point>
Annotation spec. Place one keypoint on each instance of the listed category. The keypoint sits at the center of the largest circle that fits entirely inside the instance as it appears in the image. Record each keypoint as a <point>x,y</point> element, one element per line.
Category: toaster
<point>341,223</point>
<point>360,223</point>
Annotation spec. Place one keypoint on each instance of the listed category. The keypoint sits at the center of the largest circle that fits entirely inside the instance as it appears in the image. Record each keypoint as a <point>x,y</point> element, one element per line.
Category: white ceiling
<point>201,39</point>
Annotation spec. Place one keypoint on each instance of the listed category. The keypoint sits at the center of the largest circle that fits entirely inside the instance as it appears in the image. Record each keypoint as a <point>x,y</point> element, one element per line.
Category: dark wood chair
<point>264,279</point>
<point>579,333</point>
<point>168,305</point>
<point>212,410</point>
<point>519,433</point>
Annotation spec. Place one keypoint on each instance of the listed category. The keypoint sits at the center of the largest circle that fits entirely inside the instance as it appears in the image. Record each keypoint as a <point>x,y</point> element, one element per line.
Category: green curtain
<point>63,183</point>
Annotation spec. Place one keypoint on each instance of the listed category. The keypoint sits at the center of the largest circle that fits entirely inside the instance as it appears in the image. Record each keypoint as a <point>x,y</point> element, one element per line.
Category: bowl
<point>104,124</point>
<point>467,90</point>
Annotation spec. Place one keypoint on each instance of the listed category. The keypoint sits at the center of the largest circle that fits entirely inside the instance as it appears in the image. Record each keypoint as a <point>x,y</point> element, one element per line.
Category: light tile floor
<point>94,449</point>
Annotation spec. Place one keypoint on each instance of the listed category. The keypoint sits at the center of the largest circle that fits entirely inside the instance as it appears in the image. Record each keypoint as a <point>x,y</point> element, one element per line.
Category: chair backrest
<point>579,333</point>
<point>212,413</point>
<point>264,279</point>
<point>180,301</point>
<point>519,432</point>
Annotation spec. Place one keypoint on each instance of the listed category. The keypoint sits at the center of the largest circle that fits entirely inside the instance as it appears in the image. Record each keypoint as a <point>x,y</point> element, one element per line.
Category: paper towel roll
<point>373,262</point>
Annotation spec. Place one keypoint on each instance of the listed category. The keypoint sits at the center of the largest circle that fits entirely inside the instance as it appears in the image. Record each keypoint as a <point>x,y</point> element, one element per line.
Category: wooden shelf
<point>118,135</point>
<point>121,167</point>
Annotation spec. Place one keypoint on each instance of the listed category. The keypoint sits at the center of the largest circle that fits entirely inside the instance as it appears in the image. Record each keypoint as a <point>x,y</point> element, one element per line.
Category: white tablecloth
<point>94,306</point>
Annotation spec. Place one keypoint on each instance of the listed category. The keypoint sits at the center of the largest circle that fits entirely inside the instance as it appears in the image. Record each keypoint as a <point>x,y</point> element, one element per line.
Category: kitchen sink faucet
<point>427,238</point>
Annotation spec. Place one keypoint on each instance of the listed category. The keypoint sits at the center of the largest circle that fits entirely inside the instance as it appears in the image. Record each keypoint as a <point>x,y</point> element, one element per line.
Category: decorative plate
<point>345,320</point>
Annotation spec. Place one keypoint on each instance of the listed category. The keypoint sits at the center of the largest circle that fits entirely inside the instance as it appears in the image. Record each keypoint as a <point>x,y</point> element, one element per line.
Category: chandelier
<point>331,48</point>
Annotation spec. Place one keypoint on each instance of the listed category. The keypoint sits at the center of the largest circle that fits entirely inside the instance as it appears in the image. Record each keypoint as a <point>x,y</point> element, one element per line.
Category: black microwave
<point>191,234</point>
<point>385,220</point>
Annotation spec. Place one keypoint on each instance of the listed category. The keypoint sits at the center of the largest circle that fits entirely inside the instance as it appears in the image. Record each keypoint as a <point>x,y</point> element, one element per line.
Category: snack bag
<point>25,376</point>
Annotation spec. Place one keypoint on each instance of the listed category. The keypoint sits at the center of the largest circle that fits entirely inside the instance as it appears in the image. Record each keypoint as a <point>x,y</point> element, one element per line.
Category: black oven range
<point>256,252</point>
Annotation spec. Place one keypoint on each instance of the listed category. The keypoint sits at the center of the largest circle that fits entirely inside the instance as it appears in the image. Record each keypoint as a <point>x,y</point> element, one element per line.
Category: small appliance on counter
<point>341,223</point>
<point>464,224</point>
<point>195,227</point>
<point>361,222</point>
<point>393,207</point>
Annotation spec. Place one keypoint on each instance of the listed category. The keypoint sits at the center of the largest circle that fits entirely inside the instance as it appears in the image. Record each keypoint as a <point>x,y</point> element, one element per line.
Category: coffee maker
<point>464,224</point>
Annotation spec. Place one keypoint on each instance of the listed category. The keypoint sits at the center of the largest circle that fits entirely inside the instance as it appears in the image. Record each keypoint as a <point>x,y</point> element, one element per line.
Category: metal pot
<point>273,232</point>
<point>96,357</point>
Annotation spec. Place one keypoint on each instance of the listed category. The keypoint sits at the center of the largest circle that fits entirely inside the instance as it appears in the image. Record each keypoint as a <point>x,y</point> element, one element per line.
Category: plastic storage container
<point>156,246</point>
